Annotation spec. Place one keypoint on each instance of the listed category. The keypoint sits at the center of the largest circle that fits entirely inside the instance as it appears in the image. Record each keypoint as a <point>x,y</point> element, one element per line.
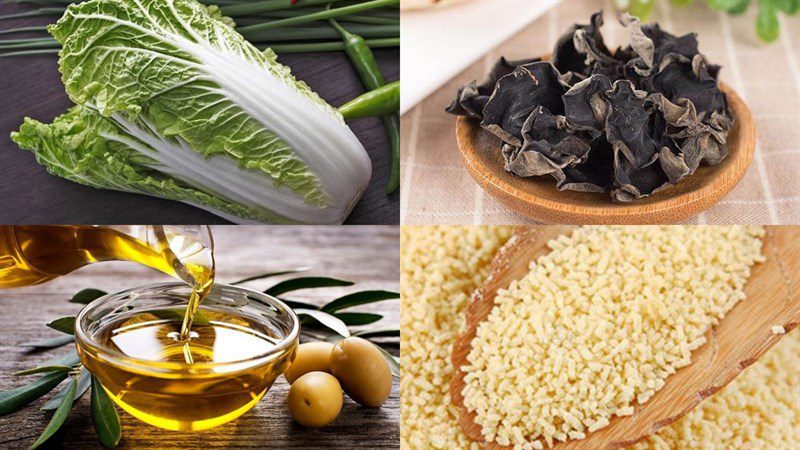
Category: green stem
<point>48,51</point>
<point>392,124</point>
<point>346,35</point>
<point>319,33</point>
<point>329,14</point>
<point>329,46</point>
<point>41,12</point>
<point>42,2</point>
<point>13,44</point>
<point>24,29</point>
<point>356,18</point>
<point>270,5</point>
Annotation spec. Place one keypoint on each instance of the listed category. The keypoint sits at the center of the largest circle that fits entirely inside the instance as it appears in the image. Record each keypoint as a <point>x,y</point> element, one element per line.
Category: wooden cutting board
<point>773,298</point>
<point>538,198</point>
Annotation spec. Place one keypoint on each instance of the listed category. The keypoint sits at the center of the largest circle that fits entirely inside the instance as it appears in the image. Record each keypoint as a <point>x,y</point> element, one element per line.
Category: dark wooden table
<point>31,86</point>
<point>367,255</point>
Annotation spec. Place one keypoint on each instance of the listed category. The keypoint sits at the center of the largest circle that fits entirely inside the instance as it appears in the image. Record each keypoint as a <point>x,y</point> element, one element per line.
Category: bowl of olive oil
<point>135,343</point>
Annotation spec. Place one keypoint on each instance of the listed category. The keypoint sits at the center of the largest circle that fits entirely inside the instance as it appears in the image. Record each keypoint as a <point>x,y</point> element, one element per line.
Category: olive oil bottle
<point>33,254</point>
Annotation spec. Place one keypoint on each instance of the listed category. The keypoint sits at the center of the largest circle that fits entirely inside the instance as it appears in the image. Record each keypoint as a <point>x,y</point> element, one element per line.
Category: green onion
<point>24,30</point>
<point>12,44</point>
<point>330,46</point>
<point>35,13</point>
<point>328,14</point>
<point>269,5</point>
<point>318,33</point>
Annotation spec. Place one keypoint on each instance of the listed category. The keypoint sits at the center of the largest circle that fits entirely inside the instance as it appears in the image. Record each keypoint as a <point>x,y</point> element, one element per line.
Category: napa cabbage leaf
<point>173,102</point>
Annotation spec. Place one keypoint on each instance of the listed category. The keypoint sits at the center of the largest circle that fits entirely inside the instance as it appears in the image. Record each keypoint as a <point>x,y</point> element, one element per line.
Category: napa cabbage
<point>173,102</point>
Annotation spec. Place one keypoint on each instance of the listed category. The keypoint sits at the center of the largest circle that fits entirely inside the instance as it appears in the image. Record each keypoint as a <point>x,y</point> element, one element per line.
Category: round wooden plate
<point>538,198</point>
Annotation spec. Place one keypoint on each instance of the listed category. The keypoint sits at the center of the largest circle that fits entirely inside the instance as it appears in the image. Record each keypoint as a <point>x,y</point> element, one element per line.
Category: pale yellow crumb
<point>440,268</point>
<point>598,325</point>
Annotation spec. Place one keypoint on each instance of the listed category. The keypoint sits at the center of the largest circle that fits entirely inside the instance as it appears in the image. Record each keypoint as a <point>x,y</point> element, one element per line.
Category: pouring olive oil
<point>34,254</point>
<point>175,364</point>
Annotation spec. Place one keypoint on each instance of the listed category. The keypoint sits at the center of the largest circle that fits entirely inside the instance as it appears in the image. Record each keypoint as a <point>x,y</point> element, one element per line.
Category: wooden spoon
<point>741,337</point>
<point>538,198</point>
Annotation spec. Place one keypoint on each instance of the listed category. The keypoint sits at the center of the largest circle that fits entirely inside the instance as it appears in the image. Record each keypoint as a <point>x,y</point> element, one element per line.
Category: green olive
<point>362,370</point>
<point>311,357</point>
<point>315,399</point>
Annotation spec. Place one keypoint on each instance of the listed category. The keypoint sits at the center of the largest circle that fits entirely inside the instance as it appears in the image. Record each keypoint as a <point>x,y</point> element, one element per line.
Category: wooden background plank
<point>368,255</point>
<point>31,87</point>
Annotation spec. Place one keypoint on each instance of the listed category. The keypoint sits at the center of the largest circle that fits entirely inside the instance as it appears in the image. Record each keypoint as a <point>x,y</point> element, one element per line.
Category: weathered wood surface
<point>368,256</point>
<point>31,86</point>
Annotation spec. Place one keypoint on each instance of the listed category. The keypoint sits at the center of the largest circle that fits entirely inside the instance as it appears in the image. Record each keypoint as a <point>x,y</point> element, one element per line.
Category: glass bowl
<point>241,341</point>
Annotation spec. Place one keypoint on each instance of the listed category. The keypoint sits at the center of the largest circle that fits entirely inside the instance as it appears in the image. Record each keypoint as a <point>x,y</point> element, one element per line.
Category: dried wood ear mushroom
<point>631,122</point>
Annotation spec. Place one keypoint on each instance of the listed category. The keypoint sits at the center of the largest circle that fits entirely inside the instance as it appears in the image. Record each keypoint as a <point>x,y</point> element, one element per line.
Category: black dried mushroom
<point>472,98</point>
<point>630,122</point>
<point>517,95</point>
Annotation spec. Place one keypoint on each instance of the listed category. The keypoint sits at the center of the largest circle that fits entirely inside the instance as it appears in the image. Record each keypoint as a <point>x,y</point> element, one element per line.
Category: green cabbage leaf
<point>173,102</point>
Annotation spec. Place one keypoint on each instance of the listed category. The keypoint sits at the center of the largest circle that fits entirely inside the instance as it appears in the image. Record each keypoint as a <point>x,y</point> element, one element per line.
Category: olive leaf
<point>326,319</point>
<point>383,332</point>
<point>63,324</point>
<point>60,415</point>
<point>104,416</point>
<point>44,369</point>
<point>305,283</point>
<point>394,362</point>
<point>48,343</point>
<point>358,318</point>
<point>294,304</point>
<point>271,274</point>
<point>358,298</point>
<point>54,364</point>
<point>15,399</point>
<point>83,384</point>
<point>314,335</point>
<point>87,296</point>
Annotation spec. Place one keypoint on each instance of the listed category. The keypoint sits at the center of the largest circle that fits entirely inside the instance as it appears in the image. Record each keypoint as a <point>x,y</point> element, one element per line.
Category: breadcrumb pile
<point>760,409</point>
<point>598,324</point>
<point>440,268</point>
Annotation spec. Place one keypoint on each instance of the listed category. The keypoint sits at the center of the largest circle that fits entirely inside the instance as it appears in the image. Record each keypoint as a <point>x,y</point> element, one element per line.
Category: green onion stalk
<point>286,26</point>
